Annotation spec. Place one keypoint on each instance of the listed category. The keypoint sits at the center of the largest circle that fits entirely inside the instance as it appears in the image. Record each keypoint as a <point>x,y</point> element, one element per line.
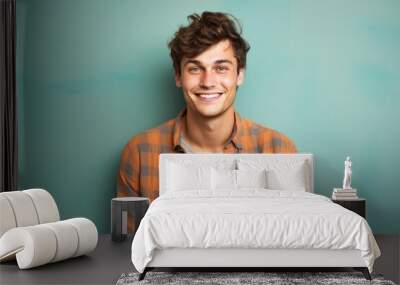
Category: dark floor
<point>389,262</point>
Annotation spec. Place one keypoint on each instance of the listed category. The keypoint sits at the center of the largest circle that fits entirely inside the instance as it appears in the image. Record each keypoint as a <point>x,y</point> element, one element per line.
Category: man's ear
<point>240,78</point>
<point>178,81</point>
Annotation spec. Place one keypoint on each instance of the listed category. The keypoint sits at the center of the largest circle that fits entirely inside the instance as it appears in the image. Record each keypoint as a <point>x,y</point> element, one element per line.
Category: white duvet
<point>251,218</point>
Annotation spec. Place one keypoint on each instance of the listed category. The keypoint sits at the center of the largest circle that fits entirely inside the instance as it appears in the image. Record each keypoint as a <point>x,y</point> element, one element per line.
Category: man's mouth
<point>208,96</point>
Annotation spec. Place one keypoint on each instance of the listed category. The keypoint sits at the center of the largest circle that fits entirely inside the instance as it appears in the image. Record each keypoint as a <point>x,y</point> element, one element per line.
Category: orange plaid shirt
<point>138,173</point>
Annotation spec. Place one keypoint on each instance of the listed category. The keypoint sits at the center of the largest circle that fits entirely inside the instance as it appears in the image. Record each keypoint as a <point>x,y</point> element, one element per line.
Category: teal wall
<point>93,73</point>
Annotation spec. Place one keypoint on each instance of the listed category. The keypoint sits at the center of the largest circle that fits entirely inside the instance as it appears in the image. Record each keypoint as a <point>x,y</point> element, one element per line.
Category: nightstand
<point>356,205</point>
<point>122,210</point>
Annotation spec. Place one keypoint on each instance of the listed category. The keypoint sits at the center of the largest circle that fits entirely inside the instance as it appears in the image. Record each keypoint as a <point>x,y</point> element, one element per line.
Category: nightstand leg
<point>143,274</point>
<point>364,271</point>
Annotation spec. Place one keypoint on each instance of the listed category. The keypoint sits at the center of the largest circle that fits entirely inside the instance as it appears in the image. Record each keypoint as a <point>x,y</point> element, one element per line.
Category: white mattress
<point>250,218</point>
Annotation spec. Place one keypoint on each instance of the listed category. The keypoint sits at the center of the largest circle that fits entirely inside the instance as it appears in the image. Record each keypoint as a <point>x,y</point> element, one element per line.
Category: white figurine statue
<point>347,174</point>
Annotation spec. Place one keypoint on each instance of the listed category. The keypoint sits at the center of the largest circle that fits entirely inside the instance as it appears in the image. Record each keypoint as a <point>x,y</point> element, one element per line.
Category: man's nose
<point>207,79</point>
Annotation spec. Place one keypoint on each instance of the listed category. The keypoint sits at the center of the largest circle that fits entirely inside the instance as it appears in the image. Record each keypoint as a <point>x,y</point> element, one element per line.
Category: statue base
<point>350,190</point>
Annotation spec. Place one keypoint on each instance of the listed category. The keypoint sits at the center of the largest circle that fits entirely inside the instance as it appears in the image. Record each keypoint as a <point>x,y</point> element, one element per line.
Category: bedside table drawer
<point>358,206</point>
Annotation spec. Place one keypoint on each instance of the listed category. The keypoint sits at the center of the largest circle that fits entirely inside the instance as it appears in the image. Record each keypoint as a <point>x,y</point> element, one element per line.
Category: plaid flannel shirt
<point>138,173</point>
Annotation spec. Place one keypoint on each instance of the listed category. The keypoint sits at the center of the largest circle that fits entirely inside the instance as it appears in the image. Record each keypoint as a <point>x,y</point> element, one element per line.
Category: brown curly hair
<point>204,31</point>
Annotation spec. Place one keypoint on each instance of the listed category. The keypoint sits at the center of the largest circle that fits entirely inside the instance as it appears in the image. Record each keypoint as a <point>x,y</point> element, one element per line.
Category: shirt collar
<point>235,138</point>
<point>178,131</point>
<point>237,133</point>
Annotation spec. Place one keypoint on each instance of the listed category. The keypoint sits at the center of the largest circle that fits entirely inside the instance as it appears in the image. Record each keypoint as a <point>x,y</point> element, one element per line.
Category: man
<point>209,58</point>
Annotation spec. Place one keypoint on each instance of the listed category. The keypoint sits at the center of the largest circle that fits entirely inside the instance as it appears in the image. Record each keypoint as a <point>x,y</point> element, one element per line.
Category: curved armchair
<point>31,232</point>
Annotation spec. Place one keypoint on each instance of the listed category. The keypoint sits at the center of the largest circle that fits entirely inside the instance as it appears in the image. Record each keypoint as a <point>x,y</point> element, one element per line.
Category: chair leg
<point>364,271</point>
<point>143,274</point>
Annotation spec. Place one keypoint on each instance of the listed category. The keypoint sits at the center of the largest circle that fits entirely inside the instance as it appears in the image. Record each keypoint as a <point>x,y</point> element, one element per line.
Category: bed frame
<point>246,258</point>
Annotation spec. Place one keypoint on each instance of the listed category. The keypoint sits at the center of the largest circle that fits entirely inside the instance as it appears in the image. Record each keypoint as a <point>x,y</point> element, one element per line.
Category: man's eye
<point>194,69</point>
<point>222,68</point>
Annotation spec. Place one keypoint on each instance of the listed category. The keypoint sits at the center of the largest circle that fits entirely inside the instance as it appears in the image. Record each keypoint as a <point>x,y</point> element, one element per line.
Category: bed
<point>247,210</point>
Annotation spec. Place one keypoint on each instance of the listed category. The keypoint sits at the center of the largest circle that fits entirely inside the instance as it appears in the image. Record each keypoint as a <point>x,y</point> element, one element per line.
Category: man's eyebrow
<point>192,61</point>
<point>219,61</point>
<point>223,61</point>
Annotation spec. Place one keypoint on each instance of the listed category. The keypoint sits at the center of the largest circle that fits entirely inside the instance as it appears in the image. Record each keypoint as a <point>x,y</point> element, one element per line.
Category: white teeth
<point>209,96</point>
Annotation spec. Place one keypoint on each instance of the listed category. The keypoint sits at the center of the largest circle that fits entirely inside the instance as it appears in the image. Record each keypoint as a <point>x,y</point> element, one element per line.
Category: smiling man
<point>209,57</point>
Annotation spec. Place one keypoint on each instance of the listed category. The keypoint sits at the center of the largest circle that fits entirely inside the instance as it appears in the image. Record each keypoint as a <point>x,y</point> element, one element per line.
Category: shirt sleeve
<point>128,175</point>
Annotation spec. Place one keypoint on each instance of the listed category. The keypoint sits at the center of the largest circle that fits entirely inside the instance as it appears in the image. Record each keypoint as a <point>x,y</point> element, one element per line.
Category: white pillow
<point>281,174</point>
<point>251,178</point>
<point>223,179</point>
<point>235,179</point>
<point>181,177</point>
<point>288,178</point>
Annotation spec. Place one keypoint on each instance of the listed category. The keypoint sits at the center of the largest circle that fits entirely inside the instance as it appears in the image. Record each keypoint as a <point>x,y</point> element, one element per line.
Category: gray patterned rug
<point>269,278</point>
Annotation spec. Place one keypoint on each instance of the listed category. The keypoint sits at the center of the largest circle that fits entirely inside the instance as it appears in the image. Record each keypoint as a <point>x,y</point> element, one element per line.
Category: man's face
<point>209,80</point>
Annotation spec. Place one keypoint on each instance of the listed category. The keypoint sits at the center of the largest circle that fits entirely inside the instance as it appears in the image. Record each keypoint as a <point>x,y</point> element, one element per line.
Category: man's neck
<point>209,134</point>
